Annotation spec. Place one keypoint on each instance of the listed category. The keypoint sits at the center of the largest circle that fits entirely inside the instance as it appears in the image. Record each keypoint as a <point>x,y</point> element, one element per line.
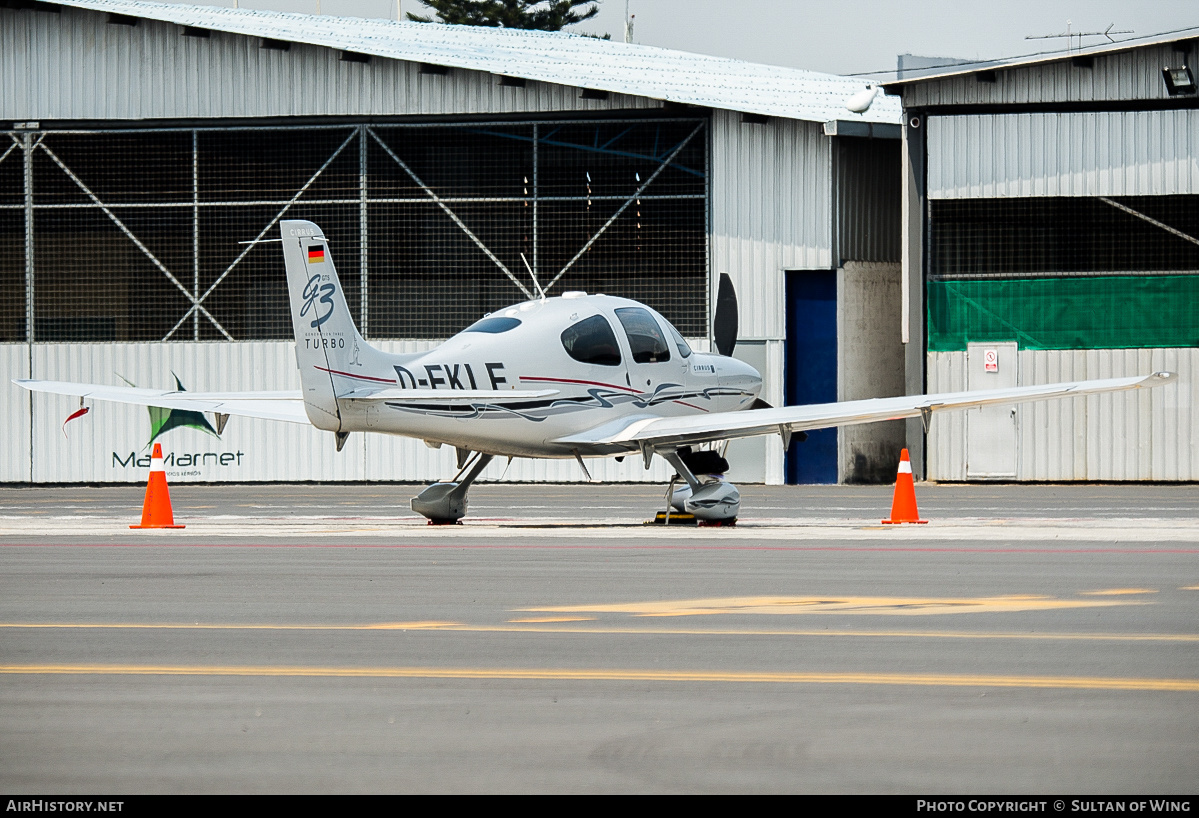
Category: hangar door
<point>811,369</point>
<point>991,430</point>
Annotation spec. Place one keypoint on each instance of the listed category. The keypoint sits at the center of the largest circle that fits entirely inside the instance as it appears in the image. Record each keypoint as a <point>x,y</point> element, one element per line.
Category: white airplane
<point>573,376</point>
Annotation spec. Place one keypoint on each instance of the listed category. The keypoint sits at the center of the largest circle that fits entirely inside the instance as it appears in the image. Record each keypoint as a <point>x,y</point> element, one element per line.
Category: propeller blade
<point>724,325</point>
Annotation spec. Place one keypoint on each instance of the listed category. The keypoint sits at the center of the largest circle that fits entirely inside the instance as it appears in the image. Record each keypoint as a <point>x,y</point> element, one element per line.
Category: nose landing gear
<point>445,503</point>
<point>710,498</point>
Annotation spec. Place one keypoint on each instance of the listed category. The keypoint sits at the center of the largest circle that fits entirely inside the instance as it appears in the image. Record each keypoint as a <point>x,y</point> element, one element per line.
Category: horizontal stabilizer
<point>286,406</point>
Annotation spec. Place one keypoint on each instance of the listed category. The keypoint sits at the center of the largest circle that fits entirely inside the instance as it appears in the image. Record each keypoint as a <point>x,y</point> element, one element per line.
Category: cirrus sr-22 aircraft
<point>572,376</point>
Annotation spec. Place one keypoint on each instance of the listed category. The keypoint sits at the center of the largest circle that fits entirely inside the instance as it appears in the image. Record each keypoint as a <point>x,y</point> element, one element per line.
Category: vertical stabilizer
<point>327,342</point>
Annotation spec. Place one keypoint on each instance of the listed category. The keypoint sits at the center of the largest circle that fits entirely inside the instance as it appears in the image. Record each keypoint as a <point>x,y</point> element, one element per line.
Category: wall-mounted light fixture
<point>1179,80</point>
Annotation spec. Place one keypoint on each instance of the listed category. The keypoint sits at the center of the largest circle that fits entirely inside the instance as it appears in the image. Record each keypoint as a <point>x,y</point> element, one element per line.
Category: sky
<point>836,36</point>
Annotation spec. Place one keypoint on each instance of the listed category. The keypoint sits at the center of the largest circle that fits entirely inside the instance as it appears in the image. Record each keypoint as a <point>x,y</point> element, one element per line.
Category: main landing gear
<point>709,497</point>
<point>445,503</point>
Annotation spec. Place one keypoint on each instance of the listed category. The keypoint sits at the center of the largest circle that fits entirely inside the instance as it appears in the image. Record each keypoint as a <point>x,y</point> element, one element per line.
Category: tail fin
<point>327,342</point>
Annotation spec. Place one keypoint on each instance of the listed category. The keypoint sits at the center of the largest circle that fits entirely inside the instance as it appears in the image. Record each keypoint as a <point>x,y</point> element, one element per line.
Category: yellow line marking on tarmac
<point>547,619</point>
<point>1189,588</point>
<point>209,626</point>
<point>620,675</point>
<point>654,631</point>
<point>525,626</point>
<point>901,606</point>
<point>1119,592</point>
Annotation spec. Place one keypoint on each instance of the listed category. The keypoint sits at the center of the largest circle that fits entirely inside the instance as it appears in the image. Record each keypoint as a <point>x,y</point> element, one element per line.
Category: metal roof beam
<point>872,130</point>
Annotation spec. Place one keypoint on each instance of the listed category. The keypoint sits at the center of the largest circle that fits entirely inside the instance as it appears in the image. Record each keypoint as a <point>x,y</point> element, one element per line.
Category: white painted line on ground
<point>1106,530</point>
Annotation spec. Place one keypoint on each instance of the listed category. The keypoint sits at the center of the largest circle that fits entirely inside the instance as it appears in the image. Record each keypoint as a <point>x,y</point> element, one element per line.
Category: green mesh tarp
<point>1103,312</point>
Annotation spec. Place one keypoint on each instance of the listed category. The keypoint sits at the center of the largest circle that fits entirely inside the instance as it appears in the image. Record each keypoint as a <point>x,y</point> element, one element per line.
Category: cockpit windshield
<point>680,343</point>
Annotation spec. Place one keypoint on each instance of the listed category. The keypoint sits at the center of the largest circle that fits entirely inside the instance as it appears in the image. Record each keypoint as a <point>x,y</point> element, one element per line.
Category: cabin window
<point>493,325</point>
<point>646,341</point>
<point>592,341</point>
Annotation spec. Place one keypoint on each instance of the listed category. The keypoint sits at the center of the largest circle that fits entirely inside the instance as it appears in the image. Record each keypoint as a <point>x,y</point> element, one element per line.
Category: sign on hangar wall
<point>112,442</point>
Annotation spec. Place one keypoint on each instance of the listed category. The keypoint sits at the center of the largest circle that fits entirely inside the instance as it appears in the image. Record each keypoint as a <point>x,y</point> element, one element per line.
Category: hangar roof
<point>554,57</point>
<point>958,69</point>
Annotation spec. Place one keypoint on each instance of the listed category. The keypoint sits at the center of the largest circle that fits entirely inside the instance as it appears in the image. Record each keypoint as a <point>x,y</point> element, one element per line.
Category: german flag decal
<point>316,254</point>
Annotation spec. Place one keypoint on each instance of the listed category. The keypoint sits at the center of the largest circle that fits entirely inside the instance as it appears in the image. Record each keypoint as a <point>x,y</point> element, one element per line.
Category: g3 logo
<point>313,289</point>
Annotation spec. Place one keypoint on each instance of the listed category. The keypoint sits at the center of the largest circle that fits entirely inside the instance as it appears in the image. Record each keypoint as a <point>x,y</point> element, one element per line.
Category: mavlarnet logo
<point>163,420</point>
<point>313,289</point>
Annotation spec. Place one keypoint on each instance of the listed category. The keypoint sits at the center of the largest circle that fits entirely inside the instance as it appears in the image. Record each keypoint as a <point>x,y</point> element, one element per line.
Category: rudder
<point>327,342</point>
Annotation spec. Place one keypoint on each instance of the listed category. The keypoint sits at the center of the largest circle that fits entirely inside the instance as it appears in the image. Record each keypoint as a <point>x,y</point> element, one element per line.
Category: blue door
<point>811,363</point>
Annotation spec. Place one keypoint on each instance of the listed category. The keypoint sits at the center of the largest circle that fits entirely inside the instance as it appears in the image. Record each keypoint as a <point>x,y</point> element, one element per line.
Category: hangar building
<point>148,147</point>
<point>1051,233</point>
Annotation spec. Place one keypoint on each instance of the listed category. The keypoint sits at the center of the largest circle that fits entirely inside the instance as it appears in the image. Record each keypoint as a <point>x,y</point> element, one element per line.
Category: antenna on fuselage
<point>533,276</point>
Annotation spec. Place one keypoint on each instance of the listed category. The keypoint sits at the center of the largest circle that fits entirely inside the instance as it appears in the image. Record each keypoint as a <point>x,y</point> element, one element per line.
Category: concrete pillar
<point>870,364</point>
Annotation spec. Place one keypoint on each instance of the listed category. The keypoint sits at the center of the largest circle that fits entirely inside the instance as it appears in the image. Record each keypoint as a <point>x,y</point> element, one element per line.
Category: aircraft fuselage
<point>525,347</point>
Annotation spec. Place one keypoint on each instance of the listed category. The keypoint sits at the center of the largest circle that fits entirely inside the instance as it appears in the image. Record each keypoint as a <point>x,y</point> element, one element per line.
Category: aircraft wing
<point>652,432</point>
<point>286,406</point>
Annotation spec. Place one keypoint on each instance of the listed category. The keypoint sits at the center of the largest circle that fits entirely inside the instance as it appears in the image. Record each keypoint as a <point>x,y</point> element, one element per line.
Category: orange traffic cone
<point>903,507</point>
<point>156,510</point>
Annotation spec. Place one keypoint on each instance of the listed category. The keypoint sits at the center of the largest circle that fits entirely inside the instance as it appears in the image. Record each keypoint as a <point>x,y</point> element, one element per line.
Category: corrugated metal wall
<point>1130,153</point>
<point>74,66</point>
<point>868,199</point>
<point>97,447</point>
<point>1142,435</point>
<point>1135,74</point>
<point>771,211</point>
<point>14,415</point>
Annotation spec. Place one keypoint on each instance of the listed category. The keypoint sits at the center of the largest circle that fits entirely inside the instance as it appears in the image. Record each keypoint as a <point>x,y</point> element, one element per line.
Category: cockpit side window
<point>592,341</point>
<point>646,341</point>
